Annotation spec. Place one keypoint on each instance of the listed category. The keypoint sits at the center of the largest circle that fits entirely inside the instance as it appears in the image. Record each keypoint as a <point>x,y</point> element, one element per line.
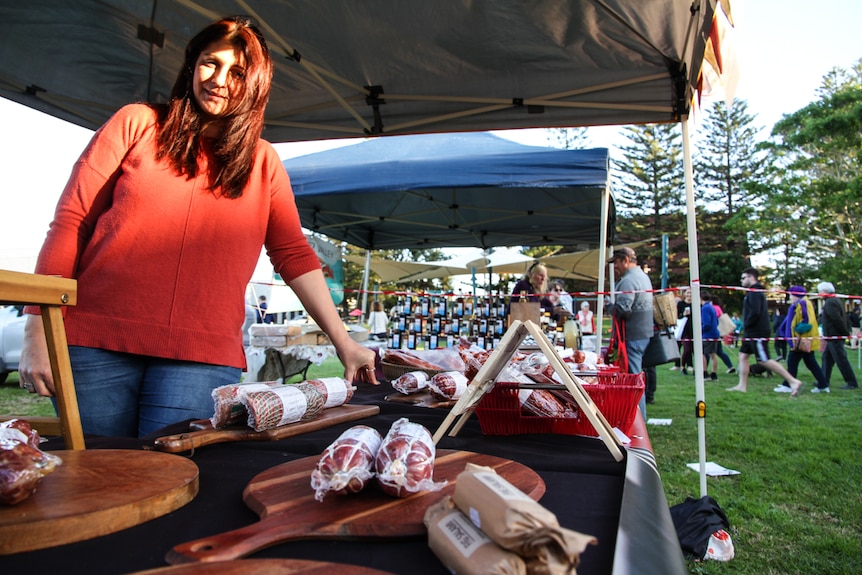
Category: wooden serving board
<point>420,399</point>
<point>264,567</point>
<point>204,434</point>
<point>283,498</point>
<point>96,492</point>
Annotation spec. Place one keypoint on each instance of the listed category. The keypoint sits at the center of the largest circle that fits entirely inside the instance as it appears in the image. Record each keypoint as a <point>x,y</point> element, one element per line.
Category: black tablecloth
<point>622,504</point>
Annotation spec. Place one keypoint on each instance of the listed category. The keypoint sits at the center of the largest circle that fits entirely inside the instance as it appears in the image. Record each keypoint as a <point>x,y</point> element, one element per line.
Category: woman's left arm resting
<point>359,361</point>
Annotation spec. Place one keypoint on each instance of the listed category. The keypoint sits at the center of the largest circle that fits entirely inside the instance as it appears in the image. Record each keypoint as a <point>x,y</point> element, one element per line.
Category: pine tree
<point>649,179</point>
<point>568,138</point>
<point>726,157</point>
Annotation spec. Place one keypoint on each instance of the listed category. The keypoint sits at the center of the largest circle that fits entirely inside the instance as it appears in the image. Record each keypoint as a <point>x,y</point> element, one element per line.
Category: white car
<point>11,336</point>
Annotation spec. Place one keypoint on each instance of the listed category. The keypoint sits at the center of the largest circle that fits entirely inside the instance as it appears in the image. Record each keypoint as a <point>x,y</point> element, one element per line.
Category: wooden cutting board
<point>204,434</point>
<point>96,492</point>
<point>421,399</point>
<point>264,567</point>
<point>283,498</point>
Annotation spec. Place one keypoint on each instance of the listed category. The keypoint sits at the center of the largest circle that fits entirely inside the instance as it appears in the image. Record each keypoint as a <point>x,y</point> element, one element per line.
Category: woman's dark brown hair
<point>180,133</point>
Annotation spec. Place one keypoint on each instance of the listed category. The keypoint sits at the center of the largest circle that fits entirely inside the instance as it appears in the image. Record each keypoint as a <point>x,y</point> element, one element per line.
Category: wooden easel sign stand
<point>493,366</point>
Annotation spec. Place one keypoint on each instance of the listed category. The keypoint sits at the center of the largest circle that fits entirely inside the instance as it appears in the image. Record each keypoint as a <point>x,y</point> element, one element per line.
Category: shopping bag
<point>680,327</point>
<point>725,325</point>
<point>662,348</point>
<point>696,520</point>
<point>803,344</point>
<point>616,353</point>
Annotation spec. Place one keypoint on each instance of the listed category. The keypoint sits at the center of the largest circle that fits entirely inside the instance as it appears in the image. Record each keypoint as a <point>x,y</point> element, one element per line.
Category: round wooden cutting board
<point>96,492</point>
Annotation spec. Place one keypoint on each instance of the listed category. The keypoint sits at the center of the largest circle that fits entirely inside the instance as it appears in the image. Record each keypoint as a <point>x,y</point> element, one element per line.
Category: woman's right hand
<point>34,367</point>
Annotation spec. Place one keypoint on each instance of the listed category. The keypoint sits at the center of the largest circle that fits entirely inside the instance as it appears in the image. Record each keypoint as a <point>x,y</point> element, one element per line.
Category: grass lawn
<point>795,507</point>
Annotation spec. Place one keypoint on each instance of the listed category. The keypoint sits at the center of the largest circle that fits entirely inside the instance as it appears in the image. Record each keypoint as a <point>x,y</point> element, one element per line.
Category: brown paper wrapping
<point>517,523</point>
<point>463,548</point>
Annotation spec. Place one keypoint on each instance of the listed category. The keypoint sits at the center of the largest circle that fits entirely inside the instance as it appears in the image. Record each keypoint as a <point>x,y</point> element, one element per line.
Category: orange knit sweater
<point>162,262</point>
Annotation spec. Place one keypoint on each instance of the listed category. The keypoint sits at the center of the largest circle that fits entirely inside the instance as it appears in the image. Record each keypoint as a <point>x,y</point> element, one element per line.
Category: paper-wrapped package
<point>517,523</point>
<point>463,548</point>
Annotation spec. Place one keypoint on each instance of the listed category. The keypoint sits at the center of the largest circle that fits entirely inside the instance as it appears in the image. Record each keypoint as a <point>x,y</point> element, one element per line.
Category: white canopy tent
<point>353,69</point>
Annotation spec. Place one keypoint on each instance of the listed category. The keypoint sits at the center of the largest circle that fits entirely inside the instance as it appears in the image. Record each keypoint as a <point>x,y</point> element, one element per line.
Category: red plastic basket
<point>616,395</point>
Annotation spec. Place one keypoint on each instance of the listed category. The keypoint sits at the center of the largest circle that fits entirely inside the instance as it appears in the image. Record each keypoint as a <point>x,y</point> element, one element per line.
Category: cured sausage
<point>282,405</point>
<point>411,382</point>
<point>543,403</point>
<point>22,463</point>
<point>347,463</point>
<point>405,460</point>
<point>447,386</point>
<point>335,390</point>
<point>228,408</point>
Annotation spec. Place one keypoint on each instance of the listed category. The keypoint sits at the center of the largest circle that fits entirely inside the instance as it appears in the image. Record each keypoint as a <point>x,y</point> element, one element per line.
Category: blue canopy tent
<point>454,190</point>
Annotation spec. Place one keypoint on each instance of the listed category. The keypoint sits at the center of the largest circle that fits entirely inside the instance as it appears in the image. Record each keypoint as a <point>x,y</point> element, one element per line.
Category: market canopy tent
<point>452,190</point>
<point>350,69</point>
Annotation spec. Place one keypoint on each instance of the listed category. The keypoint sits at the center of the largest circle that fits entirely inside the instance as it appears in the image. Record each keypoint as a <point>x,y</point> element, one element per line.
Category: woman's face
<point>538,277</point>
<point>218,77</point>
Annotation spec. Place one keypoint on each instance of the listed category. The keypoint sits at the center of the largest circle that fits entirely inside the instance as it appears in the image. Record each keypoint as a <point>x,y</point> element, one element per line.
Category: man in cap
<point>633,307</point>
<point>756,332</point>
<point>836,328</point>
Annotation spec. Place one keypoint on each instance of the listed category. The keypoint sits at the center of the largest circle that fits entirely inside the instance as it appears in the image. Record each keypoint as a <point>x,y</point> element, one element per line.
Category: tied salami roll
<point>405,460</point>
<point>347,463</point>
<point>335,390</point>
<point>227,402</point>
<point>411,382</point>
<point>22,463</point>
<point>282,405</point>
<point>543,403</point>
<point>448,385</point>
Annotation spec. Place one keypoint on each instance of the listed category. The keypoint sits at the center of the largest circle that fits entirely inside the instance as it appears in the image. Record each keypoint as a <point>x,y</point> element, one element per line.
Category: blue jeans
<point>127,395</point>
<point>635,349</point>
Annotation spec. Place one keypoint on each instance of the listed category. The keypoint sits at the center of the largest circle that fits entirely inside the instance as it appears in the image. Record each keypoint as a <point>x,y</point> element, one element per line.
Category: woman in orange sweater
<point>162,223</point>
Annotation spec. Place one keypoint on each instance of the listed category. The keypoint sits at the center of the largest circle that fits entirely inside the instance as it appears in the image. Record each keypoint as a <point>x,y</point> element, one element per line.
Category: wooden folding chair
<point>50,293</point>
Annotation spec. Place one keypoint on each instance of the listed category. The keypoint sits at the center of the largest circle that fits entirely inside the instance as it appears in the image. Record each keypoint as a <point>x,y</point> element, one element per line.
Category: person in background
<point>737,332</point>
<point>562,301</point>
<point>687,335</point>
<point>534,287</point>
<point>586,319</point>
<point>780,342</point>
<point>802,322</point>
<point>719,352</point>
<point>855,319</point>
<point>710,333</point>
<point>378,321</point>
<point>756,329</point>
<point>165,199</point>
<point>261,309</point>
<point>836,329</point>
<point>633,308</point>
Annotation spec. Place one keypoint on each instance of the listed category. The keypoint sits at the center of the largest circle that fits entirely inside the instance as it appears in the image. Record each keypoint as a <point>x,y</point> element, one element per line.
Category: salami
<point>448,385</point>
<point>22,463</point>
<point>347,463</point>
<point>335,390</point>
<point>411,382</point>
<point>543,403</point>
<point>405,460</point>
<point>281,405</point>
<point>399,357</point>
<point>228,408</point>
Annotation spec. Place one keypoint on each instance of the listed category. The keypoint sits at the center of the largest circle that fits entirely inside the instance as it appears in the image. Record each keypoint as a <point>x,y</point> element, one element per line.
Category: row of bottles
<point>427,322</point>
<point>489,306</point>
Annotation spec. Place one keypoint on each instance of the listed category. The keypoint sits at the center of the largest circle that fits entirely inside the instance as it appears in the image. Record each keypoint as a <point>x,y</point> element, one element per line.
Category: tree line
<point>794,196</point>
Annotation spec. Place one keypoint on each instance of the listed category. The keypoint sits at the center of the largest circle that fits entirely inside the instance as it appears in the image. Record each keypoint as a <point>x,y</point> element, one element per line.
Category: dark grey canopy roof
<point>348,68</point>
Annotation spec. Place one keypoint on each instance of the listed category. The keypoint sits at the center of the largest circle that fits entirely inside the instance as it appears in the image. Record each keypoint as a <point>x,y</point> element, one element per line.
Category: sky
<point>784,48</point>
